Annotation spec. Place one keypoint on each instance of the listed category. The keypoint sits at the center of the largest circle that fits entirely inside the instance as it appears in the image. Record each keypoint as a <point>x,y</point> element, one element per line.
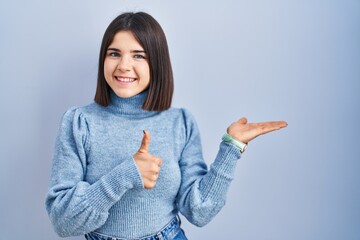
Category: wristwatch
<point>229,139</point>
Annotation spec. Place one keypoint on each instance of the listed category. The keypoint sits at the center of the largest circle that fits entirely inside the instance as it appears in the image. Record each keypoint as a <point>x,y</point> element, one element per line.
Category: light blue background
<point>297,61</point>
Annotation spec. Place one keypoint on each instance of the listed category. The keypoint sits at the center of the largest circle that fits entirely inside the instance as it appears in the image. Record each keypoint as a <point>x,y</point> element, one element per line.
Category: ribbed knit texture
<point>95,184</point>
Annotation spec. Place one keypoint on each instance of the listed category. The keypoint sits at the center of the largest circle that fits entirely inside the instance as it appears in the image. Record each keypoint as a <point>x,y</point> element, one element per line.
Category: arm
<point>203,192</point>
<point>75,207</point>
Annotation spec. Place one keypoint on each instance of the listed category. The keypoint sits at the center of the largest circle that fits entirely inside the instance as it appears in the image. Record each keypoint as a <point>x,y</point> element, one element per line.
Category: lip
<point>125,80</point>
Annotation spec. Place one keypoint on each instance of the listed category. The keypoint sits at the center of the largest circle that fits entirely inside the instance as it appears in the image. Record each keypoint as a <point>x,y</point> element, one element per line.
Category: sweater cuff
<point>110,188</point>
<point>226,158</point>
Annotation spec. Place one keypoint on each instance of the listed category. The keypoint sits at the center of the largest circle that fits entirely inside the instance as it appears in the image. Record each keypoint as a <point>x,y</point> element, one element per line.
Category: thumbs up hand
<point>148,165</point>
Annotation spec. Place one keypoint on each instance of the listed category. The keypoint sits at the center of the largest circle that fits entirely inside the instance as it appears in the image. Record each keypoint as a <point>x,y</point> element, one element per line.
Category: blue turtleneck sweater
<point>96,186</point>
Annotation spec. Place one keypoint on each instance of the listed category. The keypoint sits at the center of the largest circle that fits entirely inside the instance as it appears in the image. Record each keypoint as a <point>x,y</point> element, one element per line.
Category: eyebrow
<point>132,51</point>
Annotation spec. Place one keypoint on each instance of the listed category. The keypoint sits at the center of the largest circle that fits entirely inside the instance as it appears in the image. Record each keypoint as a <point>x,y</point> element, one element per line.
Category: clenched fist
<point>148,165</point>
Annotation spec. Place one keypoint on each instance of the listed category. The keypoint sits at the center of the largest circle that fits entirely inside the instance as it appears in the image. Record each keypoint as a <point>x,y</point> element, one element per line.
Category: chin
<point>123,94</point>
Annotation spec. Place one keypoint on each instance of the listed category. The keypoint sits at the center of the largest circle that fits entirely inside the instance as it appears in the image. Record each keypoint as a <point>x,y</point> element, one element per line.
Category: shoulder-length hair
<point>152,38</point>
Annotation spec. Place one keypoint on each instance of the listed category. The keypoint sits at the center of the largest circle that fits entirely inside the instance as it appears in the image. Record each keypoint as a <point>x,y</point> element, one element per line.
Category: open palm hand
<point>245,132</point>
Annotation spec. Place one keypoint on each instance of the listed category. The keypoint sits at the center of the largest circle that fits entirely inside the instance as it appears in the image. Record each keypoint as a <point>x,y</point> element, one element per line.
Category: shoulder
<point>185,119</point>
<point>83,111</point>
<point>80,115</point>
<point>180,112</point>
<point>180,115</point>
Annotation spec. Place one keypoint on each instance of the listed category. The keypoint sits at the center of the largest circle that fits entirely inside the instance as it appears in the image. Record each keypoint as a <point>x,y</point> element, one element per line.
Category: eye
<point>114,54</point>
<point>138,56</point>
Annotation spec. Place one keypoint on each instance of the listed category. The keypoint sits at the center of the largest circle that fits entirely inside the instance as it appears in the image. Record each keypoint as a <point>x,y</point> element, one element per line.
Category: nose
<point>124,64</point>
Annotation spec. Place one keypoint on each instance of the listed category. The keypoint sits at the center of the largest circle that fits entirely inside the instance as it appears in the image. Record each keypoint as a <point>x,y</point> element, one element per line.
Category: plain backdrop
<point>290,60</point>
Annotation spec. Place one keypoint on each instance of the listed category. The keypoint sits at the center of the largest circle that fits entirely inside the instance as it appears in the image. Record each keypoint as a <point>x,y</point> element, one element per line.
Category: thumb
<point>243,120</point>
<point>144,148</point>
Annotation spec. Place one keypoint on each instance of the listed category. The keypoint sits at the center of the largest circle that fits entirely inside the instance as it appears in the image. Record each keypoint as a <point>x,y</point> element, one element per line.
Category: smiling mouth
<point>125,80</point>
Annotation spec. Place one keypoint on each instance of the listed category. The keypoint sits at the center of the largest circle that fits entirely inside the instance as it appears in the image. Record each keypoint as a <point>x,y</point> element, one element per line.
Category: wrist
<point>240,145</point>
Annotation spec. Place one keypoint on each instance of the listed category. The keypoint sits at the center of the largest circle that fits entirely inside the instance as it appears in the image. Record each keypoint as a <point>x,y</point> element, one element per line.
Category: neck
<point>129,106</point>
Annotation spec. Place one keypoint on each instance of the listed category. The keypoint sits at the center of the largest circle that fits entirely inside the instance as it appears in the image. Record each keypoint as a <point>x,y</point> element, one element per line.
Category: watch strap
<point>229,139</point>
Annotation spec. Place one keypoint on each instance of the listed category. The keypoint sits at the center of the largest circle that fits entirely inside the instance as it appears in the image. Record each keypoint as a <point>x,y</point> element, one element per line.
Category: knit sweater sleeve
<point>203,191</point>
<point>76,207</point>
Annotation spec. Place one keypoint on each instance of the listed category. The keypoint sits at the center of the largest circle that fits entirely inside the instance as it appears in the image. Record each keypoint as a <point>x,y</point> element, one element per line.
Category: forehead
<point>125,40</point>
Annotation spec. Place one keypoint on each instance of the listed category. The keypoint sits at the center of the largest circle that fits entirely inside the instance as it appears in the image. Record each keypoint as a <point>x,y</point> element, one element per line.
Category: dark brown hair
<point>152,38</point>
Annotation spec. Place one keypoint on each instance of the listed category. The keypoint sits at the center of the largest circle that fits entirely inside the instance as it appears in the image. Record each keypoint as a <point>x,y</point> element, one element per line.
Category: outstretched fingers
<point>266,127</point>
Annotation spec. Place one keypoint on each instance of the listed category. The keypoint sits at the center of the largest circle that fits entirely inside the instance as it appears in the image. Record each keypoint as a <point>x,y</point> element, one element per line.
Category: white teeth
<point>125,79</point>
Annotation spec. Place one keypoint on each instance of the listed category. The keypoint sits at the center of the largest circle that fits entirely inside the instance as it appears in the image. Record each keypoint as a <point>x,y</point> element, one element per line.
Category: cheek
<point>108,67</point>
<point>145,71</point>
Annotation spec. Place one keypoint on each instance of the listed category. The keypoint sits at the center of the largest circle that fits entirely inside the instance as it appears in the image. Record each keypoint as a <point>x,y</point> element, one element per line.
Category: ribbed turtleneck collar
<point>129,106</point>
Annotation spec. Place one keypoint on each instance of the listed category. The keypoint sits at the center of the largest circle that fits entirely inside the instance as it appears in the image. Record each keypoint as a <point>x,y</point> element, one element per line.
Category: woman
<point>109,179</point>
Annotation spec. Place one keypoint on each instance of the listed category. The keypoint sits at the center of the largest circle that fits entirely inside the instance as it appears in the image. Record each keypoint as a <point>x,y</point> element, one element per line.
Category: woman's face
<point>126,67</point>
